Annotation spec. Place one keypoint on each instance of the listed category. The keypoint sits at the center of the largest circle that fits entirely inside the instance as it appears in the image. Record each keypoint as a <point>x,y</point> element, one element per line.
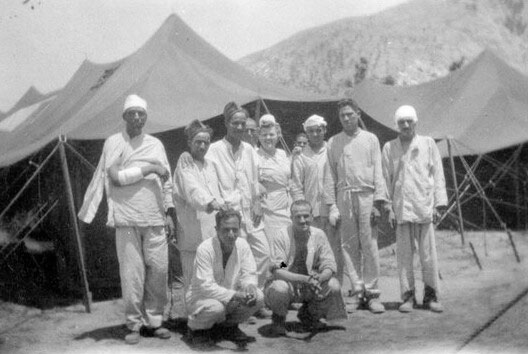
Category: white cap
<point>267,119</point>
<point>405,112</point>
<point>314,120</point>
<point>134,101</point>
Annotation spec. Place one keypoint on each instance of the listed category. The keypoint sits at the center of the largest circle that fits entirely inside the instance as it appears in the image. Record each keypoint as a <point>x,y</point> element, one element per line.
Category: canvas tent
<point>483,107</point>
<point>181,76</point>
<point>480,113</point>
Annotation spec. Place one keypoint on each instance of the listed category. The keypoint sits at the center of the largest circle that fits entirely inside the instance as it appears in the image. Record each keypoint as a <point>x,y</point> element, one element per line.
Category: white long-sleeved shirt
<point>415,179</point>
<point>195,186</point>
<point>140,204</point>
<point>354,164</point>
<point>237,174</point>
<point>211,281</point>
<point>308,176</point>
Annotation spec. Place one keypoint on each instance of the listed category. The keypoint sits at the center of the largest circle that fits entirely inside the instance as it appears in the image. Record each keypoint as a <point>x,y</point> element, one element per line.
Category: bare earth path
<point>470,296</point>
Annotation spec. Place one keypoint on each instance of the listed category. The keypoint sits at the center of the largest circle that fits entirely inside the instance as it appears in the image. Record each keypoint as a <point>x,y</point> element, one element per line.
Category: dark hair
<point>231,108</point>
<point>196,127</point>
<point>226,214</point>
<point>299,135</point>
<point>298,203</point>
<point>348,102</point>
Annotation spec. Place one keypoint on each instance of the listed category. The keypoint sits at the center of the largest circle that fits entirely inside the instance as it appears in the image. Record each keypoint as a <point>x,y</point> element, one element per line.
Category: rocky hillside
<point>408,44</point>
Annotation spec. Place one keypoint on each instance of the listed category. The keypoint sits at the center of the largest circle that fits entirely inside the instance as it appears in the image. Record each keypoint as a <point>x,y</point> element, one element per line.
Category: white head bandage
<point>313,121</point>
<point>405,112</point>
<point>134,101</point>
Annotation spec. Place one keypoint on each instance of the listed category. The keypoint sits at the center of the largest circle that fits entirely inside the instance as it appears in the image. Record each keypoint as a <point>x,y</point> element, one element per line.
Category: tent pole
<point>257,111</point>
<point>35,174</point>
<point>517,194</point>
<point>73,215</point>
<point>452,161</point>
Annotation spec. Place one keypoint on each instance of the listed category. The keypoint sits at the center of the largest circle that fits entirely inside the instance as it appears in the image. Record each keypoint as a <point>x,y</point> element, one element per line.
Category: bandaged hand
<point>333,215</point>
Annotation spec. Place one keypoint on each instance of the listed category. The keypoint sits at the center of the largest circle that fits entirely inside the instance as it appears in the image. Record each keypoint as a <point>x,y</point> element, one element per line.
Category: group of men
<point>340,190</point>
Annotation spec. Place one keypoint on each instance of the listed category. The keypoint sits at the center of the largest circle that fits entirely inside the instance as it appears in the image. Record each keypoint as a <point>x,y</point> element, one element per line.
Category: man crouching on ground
<point>303,271</point>
<point>223,290</point>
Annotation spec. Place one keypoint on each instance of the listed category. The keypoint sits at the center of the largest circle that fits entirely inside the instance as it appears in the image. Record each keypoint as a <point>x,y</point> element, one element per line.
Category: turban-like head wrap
<point>314,121</point>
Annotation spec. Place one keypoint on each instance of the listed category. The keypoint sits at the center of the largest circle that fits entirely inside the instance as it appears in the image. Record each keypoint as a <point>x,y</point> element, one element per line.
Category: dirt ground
<point>471,298</point>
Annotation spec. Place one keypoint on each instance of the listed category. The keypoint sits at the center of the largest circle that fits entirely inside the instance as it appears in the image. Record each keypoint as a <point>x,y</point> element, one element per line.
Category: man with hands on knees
<point>412,167</point>
<point>223,290</point>
<point>303,270</point>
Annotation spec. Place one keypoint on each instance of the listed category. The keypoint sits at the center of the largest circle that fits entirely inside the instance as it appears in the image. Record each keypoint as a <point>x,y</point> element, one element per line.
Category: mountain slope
<point>408,44</point>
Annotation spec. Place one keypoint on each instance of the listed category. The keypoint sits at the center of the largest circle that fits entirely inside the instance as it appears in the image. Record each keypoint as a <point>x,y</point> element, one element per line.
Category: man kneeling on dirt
<point>223,290</point>
<point>303,271</point>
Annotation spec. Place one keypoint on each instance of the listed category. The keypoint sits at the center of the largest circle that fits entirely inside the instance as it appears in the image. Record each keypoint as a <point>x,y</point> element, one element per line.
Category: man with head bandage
<point>133,171</point>
<point>412,167</point>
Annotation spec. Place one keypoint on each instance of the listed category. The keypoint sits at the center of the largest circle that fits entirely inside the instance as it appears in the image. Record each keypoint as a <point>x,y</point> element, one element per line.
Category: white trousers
<point>143,267</point>
<point>408,237</point>
<point>345,268</point>
<point>260,247</point>
<point>359,242</point>
<point>280,294</point>
<point>205,313</point>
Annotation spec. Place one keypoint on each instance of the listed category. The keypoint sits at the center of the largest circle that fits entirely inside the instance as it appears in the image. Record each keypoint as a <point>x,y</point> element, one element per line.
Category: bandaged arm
<point>130,175</point>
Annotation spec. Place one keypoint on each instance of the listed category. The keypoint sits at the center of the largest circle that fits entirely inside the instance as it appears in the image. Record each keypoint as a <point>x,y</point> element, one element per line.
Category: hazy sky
<point>45,41</point>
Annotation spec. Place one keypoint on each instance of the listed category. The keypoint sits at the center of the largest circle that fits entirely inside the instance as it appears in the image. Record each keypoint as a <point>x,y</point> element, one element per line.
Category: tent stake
<point>459,209</point>
<point>475,255</point>
<point>73,215</point>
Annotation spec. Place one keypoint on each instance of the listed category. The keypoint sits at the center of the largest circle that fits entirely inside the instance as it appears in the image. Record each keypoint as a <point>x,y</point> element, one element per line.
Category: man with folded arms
<point>135,174</point>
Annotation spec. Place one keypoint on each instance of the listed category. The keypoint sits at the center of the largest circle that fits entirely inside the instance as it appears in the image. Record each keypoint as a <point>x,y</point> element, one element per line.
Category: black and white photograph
<point>264,176</point>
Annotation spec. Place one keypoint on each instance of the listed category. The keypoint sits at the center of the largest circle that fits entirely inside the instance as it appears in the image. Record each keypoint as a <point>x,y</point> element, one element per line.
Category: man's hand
<point>296,151</point>
<point>170,228</point>
<point>375,216</point>
<point>314,283</point>
<point>438,212</point>
<point>212,206</point>
<point>251,295</point>
<point>391,218</point>
<point>333,215</point>
<point>256,215</point>
<point>161,171</point>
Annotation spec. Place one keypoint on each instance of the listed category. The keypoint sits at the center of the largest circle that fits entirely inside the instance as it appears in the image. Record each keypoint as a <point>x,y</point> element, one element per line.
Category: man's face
<point>135,118</point>
<point>199,145</point>
<point>251,135</point>
<point>301,141</point>
<point>349,119</point>
<point>407,128</point>
<point>236,126</point>
<point>316,134</point>
<point>228,231</point>
<point>301,218</point>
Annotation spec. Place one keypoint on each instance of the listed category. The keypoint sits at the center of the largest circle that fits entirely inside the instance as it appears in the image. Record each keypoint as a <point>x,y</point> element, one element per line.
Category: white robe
<point>307,176</point>
<point>195,187</point>
<point>237,175</point>
<point>211,281</point>
<point>140,204</point>
<point>415,179</point>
